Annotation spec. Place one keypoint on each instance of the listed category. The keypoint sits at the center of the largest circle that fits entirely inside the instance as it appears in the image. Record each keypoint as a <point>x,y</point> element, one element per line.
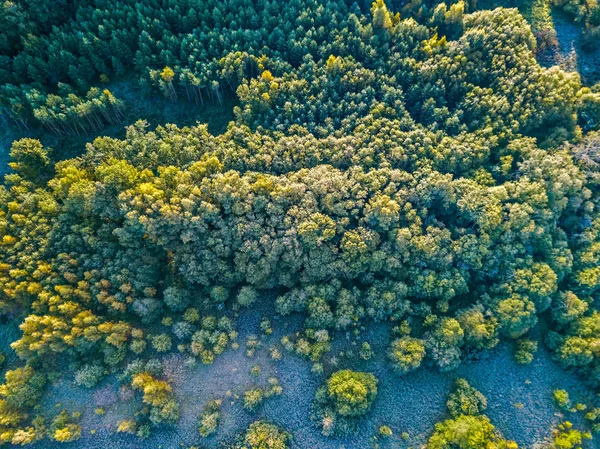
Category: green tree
<point>31,160</point>
<point>263,435</point>
<point>352,393</point>
<point>407,353</point>
<point>465,400</point>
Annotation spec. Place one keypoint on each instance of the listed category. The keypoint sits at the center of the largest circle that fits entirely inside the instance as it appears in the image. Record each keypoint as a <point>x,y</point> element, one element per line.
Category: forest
<point>249,224</point>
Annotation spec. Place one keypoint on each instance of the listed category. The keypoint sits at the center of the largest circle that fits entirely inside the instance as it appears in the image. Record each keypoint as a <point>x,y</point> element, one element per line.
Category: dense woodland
<point>408,163</point>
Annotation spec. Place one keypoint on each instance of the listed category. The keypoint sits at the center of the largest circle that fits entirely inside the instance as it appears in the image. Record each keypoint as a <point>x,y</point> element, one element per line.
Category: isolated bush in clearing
<point>343,401</point>
<point>212,339</point>
<point>210,418</point>
<point>562,399</point>
<point>407,353</point>
<point>352,393</point>
<point>158,395</point>
<point>366,352</point>
<point>467,432</point>
<point>385,431</point>
<point>127,426</point>
<point>525,351</point>
<point>465,400</point>
<point>263,435</point>
<point>253,398</point>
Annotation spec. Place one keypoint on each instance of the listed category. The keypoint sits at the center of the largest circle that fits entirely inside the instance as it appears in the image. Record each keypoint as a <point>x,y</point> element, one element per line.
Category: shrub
<point>158,395</point>
<point>593,416</point>
<point>274,388</point>
<point>562,399</point>
<point>212,338</point>
<point>265,326</point>
<point>352,393</point>
<point>566,437</point>
<point>253,398</point>
<point>465,400</point>
<point>70,432</point>
<point>144,431</point>
<point>210,418</point>
<point>467,432</point>
<point>525,351</point>
<point>127,426</point>
<point>385,431</point>
<point>89,375</point>
<point>365,351</point>
<point>262,435</point>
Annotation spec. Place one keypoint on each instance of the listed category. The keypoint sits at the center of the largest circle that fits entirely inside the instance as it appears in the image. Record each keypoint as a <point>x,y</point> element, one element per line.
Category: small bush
<point>465,400</point>
<point>562,399</point>
<point>210,418</point>
<point>89,375</point>
<point>253,398</point>
<point>525,351</point>
<point>352,393</point>
<point>366,353</point>
<point>262,435</point>
<point>407,353</point>
<point>385,431</point>
<point>127,426</point>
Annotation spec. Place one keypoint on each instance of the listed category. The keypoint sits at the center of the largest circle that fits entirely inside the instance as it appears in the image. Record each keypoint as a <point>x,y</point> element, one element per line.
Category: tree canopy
<point>423,171</point>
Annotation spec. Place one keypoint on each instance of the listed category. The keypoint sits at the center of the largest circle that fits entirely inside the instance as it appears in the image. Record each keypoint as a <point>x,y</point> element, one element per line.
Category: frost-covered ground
<point>519,397</point>
<point>9,332</point>
<point>571,55</point>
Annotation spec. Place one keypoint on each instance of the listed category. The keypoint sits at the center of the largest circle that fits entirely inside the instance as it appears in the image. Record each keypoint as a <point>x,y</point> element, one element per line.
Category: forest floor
<point>570,54</point>
<point>520,402</point>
